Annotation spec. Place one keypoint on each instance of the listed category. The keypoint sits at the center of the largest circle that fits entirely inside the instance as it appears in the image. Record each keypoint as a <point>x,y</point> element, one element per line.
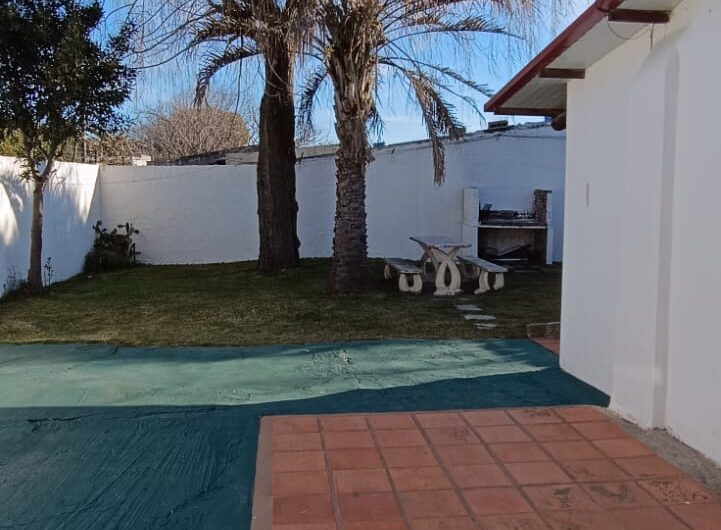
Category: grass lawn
<point>231,304</point>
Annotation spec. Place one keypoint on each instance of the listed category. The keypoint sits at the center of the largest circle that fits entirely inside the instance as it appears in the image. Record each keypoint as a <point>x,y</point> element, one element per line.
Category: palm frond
<point>307,96</point>
<point>439,117</point>
<point>375,122</point>
<point>214,62</point>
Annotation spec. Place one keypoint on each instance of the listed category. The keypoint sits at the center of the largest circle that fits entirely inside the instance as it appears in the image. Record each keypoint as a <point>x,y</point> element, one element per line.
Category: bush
<point>111,250</point>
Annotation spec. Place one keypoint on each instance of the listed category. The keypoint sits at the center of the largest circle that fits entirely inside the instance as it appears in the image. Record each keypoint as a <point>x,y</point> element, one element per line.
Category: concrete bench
<point>410,275</point>
<point>474,267</point>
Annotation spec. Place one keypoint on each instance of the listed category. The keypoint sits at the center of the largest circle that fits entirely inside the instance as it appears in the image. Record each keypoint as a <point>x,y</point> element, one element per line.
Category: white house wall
<point>596,145</point>
<point>72,204</point>
<point>640,314</point>
<point>694,393</point>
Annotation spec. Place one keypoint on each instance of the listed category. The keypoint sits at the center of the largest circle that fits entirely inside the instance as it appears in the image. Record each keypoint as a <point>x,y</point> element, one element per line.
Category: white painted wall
<point>185,214</point>
<point>202,214</point>
<point>72,205</point>
<point>196,214</point>
<point>640,297</point>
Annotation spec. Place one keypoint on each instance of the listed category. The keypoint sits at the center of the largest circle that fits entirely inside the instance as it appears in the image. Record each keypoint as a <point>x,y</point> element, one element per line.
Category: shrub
<point>111,250</point>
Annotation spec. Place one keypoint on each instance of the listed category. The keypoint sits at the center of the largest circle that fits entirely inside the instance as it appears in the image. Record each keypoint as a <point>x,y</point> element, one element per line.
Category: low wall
<point>197,214</point>
<point>72,205</point>
<point>205,214</point>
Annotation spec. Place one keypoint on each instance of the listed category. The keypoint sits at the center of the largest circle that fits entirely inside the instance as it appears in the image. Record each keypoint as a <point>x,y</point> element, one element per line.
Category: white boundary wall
<point>72,205</point>
<point>196,214</point>
<point>641,286</point>
<point>202,214</point>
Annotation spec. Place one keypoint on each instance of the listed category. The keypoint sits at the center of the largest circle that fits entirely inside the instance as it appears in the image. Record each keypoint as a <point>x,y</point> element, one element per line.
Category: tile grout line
<point>666,508</point>
<point>502,465</point>
<point>608,458</point>
<point>330,474</point>
<point>456,487</point>
<point>396,494</point>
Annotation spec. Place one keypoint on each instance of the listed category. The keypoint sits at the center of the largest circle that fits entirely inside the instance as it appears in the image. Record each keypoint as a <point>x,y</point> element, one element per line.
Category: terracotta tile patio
<point>555,468</point>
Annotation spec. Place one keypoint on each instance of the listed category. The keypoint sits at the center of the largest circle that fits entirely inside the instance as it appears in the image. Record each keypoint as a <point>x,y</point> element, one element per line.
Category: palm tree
<point>362,43</point>
<point>276,31</point>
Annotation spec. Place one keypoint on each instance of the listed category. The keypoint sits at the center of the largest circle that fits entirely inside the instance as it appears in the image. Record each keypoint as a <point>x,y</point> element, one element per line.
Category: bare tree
<point>186,130</point>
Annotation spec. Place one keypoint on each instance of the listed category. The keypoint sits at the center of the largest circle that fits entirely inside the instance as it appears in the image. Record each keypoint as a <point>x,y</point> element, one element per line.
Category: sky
<point>401,120</point>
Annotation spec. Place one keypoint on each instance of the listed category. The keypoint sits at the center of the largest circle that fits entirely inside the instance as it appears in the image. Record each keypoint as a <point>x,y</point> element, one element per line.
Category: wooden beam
<point>563,73</point>
<point>528,111</point>
<point>639,16</point>
<point>559,122</point>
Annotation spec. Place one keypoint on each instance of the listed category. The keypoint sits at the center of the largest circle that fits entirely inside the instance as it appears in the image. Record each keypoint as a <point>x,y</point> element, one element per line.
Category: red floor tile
<point>313,526</point>
<point>496,501</point>
<point>526,473</point>
<point>361,481</point>
<point>572,450</point>
<point>368,507</point>
<point>557,468</point>
<point>502,433</point>
<point>355,459</point>
<point>400,438</point>
<point>582,520</point>
<point>699,516</point>
<point>534,415</point>
<point>677,490</point>
<point>647,467</point>
<point>343,423</point>
<point>446,523</point>
<point>553,432</point>
<point>651,518</point>
<point>420,478</point>
<point>303,509</point>
<point>451,436</point>
<point>619,495</point>
<point>478,476</point>
<point>519,452</point>
<point>408,457</point>
<point>348,440</point>
<point>621,448</point>
<point>452,455</point>
<point>428,504</point>
<point>594,470</point>
<point>297,442</point>
<point>391,421</point>
<point>484,418</point>
<point>298,461</point>
<point>522,521</point>
<point>600,430</point>
<point>441,419</point>
<point>559,498</point>
<point>294,425</point>
<point>580,413</point>
<point>398,524</point>
<point>300,483</point>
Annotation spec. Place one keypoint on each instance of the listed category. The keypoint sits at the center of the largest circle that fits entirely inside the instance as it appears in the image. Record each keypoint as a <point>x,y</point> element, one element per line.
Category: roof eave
<point>584,23</point>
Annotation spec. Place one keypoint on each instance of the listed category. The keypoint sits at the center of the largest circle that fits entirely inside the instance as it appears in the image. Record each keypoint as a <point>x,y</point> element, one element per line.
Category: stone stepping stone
<point>486,326</point>
<point>479,317</point>
<point>468,307</point>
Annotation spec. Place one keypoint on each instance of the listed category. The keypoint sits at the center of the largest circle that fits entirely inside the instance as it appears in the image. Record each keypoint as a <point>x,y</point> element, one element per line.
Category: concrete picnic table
<point>441,252</point>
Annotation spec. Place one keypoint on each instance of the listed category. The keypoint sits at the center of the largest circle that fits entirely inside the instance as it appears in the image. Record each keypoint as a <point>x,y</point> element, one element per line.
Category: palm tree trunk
<point>277,206</point>
<point>35,271</point>
<point>350,241</point>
